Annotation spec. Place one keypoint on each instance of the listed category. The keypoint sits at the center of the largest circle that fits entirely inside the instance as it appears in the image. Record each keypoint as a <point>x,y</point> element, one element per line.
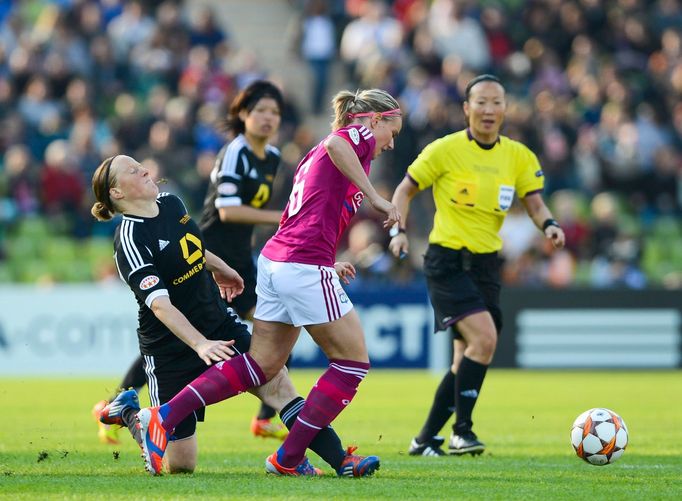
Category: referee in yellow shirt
<point>475,174</point>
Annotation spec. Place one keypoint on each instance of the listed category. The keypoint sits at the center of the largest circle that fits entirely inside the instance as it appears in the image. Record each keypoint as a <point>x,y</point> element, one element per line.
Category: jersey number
<point>296,197</point>
<point>184,245</point>
<point>261,196</point>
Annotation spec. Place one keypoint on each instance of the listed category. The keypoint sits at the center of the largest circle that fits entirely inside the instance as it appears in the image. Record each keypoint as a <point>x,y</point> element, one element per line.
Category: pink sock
<point>331,394</point>
<point>220,382</point>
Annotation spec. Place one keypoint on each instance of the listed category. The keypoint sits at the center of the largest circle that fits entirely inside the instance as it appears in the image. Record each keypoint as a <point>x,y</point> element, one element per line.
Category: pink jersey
<point>321,204</point>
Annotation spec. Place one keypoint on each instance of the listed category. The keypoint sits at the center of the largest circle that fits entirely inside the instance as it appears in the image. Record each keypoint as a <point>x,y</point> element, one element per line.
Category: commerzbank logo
<point>191,248</point>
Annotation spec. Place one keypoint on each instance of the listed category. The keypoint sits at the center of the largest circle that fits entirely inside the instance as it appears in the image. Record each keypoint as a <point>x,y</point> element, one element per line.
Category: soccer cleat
<point>112,412</point>
<point>357,466</point>
<point>106,433</point>
<point>431,447</point>
<point>465,443</point>
<point>154,439</point>
<point>267,429</point>
<point>304,468</point>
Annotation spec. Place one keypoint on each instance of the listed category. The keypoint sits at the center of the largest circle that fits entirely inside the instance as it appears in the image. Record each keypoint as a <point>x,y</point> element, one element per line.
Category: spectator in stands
<point>574,80</point>
<point>316,40</point>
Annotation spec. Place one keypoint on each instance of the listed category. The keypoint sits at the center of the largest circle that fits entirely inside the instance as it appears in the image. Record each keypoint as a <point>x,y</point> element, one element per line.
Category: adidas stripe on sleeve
<point>135,264</point>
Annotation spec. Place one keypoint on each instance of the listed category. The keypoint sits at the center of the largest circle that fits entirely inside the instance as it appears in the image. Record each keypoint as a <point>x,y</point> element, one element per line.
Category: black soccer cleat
<point>465,443</point>
<point>431,447</point>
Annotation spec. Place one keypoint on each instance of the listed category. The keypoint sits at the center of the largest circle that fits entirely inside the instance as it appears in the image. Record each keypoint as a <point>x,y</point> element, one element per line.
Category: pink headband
<point>395,112</point>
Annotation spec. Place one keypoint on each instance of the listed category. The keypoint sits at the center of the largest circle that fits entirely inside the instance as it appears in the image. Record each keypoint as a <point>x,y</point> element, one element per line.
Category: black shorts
<point>167,374</point>
<point>461,283</point>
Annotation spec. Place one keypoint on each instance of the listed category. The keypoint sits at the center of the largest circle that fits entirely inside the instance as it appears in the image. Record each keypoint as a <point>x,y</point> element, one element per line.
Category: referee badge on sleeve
<point>505,197</point>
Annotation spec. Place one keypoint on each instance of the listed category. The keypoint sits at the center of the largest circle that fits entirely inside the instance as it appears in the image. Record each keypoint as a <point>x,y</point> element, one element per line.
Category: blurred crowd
<point>594,89</point>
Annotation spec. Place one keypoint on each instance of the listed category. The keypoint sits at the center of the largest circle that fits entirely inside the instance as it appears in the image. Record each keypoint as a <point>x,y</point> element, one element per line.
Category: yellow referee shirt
<point>473,187</point>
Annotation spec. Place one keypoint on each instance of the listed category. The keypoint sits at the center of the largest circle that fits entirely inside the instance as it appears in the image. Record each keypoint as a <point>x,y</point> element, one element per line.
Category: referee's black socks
<point>468,384</point>
<point>441,409</point>
<point>326,443</point>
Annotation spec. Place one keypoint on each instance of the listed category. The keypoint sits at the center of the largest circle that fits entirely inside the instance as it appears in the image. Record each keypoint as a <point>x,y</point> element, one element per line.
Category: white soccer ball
<point>599,436</point>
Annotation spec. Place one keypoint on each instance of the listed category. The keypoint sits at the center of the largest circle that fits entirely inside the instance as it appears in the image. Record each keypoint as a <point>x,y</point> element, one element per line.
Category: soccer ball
<point>599,436</point>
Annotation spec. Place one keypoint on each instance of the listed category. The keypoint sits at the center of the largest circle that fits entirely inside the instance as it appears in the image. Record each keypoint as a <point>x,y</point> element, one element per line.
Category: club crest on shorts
<point>342,295</point>
<point>148,282</point>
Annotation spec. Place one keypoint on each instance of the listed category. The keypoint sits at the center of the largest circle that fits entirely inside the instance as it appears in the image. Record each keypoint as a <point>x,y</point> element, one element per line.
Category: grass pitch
<point>49,449</point>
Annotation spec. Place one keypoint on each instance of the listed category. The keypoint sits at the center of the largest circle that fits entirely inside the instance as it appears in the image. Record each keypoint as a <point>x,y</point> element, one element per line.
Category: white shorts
<point>299,294</point>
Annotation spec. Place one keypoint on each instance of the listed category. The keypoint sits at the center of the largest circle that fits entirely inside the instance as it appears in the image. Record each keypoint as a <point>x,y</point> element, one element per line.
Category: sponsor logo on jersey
<point>354,136</point>
<point>190,273</point>
<point>357,199</point>
<point>148,282</point>
<point>227,189</point>
<point>184,219</point>
<point>163,244</point>
<point>539,173</point>
<point>342,295</point>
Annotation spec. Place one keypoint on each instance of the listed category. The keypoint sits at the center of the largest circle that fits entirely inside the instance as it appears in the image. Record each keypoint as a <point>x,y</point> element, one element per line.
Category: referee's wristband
<point>550,222</point>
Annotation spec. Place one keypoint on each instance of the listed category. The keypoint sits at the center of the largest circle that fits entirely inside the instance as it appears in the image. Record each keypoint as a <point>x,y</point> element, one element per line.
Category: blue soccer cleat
<point>112,413</point>
<point>357,466</point>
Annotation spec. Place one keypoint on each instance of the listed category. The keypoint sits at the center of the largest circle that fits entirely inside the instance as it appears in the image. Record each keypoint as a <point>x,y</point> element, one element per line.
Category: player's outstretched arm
<point>542,217</point>
<point>229,282</point>
<point>209,351</point>
<point>346,160</point>
<point>406,190</point>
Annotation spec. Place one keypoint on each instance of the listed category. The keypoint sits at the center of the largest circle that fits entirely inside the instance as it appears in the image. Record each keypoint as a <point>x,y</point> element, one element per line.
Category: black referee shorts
<point>169,373</point>
<point>461,283</point>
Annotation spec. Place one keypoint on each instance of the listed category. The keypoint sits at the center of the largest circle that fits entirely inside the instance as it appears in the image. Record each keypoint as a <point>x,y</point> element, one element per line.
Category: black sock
<point>326,443</point>
<point>128,417</point>
<point>468,384</point>
<point>441,409</point>
<point>265,411</point>
<point>134,378</point>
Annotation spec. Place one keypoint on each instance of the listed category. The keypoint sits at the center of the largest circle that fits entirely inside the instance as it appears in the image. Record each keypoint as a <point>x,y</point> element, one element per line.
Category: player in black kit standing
<point>240,187</point>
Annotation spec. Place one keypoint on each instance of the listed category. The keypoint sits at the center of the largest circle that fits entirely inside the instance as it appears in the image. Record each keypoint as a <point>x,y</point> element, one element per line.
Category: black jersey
<point>238,178</point>
<point>164,256</point>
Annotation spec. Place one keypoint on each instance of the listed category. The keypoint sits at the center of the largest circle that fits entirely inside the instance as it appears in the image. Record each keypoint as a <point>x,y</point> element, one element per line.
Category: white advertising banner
<point>90,329</point>
<point>67,330</point>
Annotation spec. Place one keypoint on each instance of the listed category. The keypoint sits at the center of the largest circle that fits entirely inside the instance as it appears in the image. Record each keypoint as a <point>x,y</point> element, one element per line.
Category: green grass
<point>523,416</point>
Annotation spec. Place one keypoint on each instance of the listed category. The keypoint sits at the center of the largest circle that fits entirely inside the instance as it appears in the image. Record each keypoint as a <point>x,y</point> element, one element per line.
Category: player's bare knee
<point>488,344</point>
<point>175,470</point>
<point>271,371</point>
<point>269,365</point>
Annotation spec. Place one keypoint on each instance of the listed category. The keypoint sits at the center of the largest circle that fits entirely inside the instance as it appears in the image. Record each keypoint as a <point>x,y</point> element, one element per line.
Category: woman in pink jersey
<point>298,286</point>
